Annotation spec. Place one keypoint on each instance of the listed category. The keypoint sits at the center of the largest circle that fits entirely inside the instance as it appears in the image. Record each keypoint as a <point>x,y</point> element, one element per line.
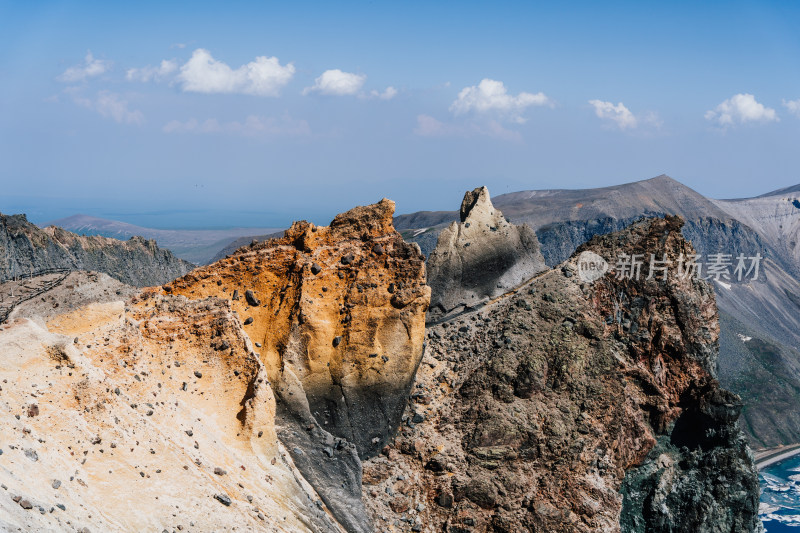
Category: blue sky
<point>257,113</point>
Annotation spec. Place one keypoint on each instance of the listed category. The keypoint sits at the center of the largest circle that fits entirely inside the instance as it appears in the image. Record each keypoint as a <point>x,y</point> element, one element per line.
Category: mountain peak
<point>476,200</point>
<point>663,178</point>
<point>479,258</point>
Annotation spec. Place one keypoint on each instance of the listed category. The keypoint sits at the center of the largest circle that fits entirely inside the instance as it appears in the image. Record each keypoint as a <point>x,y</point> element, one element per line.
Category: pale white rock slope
<point>147,414</point>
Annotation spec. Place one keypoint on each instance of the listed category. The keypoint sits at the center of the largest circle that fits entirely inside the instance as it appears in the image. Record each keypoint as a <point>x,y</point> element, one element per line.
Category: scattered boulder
<point>224,499</point>
<point>251,299</point>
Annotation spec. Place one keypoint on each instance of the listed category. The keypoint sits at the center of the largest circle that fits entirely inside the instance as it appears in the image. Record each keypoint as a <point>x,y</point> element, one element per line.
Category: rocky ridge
<point>197,246</point>
<point>270,387</point>
<point>26,249</point>
<point>753,352</point>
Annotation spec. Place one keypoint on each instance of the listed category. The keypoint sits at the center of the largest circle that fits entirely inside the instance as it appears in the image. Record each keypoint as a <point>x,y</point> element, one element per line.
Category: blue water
<point>780,497</point>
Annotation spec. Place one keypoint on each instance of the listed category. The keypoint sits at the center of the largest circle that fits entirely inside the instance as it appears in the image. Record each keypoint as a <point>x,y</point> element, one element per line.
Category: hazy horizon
<point>221,219</point>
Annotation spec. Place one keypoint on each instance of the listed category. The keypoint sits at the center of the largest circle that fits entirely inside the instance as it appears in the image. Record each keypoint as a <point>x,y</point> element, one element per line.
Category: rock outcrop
<point>568,406</point>
<point>479,258</point>
<point>338,315</point>
<point>26,249</point>
<point>43,297</point>
<point>339,312</point>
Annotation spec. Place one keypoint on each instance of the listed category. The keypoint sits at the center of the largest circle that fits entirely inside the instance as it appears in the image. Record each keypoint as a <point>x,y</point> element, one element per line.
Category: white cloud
<point>149,73</point>
<point>90,68</point>
<point>741,108</point>
<point>492,96</point>
<point>793,106</point>
<point>110,105</point>
<point>428,126</point>
<point>263,77</point>
<point>388,94</point>
<point>338,83</point>
<point>619,114</point>
<point>252,126</point>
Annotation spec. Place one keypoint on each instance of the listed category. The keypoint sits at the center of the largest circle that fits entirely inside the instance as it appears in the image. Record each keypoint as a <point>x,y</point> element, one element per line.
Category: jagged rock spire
<point>479,258</point>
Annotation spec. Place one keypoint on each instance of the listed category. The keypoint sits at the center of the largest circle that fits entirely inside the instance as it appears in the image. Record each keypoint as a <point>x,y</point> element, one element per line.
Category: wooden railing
<point>6,307</point>
<point>36,273</point>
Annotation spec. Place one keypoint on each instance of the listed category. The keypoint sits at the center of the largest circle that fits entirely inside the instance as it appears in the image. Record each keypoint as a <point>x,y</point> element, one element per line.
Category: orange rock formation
<point>339,312</point>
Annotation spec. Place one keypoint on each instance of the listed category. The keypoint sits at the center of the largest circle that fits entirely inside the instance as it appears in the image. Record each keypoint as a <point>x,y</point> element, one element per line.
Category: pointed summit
<point>478,200</point>
<point>479,258</point>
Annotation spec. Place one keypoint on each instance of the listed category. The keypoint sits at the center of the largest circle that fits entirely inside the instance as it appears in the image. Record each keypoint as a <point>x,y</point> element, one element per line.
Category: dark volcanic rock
<point>769,225</point>
<point>251,299</point>
<point>572,406</point>
<point>334,474</point>
<point>223,499</point>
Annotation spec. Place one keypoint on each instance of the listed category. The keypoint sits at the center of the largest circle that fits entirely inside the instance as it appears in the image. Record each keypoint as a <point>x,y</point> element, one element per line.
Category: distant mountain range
<point>760,320</point>
<point>197,246</point>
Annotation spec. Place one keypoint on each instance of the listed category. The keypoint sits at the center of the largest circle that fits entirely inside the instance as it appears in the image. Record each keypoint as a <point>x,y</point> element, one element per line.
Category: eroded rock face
<point>339,312</point>
<point>479,258</point>
<point>574,407</point>
<point>338,315</point>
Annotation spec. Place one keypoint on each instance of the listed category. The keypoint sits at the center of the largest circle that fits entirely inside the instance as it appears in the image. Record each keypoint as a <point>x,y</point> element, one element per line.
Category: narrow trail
<point>15,292</point>
<point>488,301</point>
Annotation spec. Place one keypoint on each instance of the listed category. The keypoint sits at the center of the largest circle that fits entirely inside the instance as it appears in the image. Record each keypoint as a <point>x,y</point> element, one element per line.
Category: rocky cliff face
<point>479,258</point>
<point>775,216</point>
<point>771,417</point>
<point>339,312</point>
<point>570,406</point>
<point>25,249</point>
<point>251,410</point>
